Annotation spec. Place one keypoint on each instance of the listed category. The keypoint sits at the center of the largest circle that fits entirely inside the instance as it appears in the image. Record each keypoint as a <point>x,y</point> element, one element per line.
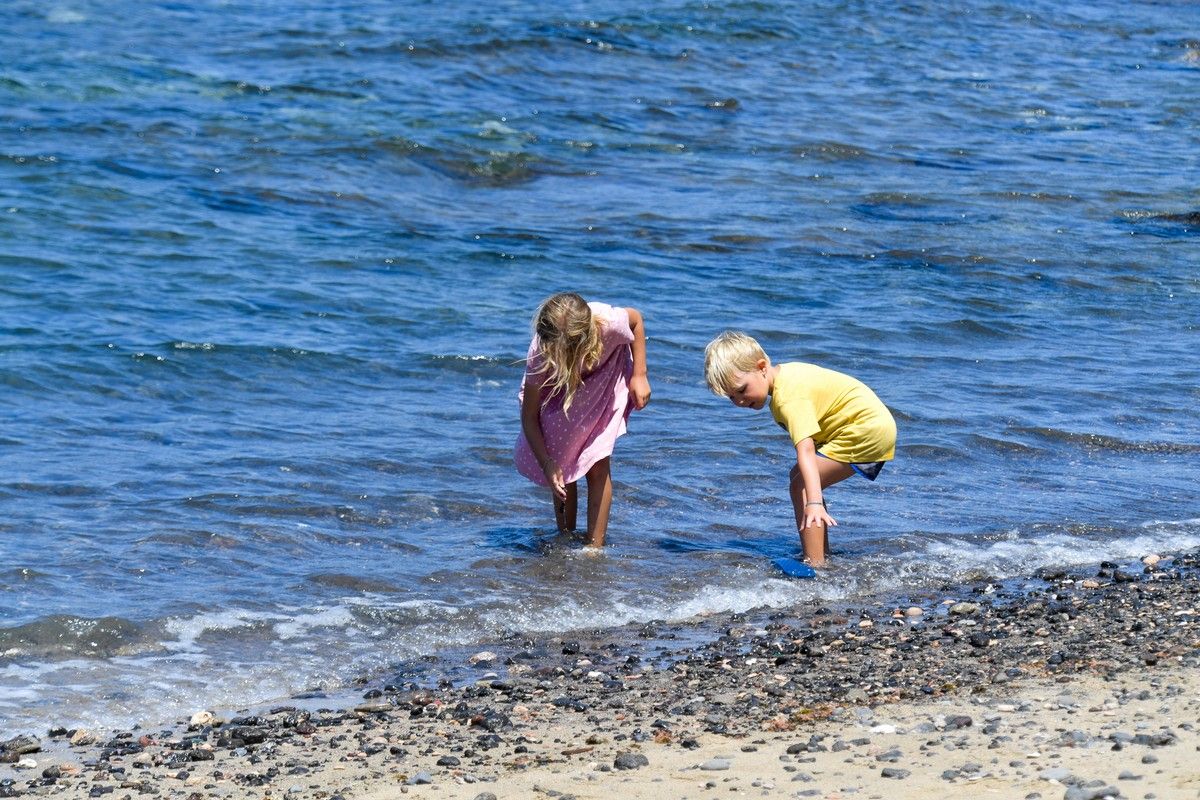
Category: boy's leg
<point>565,511</point>
<point>599,481</point>
<point>815,539</point>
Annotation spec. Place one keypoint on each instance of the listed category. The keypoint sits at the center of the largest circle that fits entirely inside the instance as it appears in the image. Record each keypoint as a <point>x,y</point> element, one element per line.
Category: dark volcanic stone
<point>631,761</point>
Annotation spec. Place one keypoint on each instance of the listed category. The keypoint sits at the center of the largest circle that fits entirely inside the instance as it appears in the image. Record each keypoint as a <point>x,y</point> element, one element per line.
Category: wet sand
<point>1074,684</point>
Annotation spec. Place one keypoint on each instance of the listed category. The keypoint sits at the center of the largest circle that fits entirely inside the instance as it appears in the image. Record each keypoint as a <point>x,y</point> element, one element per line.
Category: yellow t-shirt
<point>845,419</point>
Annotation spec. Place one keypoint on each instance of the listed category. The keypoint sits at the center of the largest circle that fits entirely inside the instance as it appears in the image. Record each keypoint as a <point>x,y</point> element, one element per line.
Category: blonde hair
<point>569,342</point>
<point>729,354</point>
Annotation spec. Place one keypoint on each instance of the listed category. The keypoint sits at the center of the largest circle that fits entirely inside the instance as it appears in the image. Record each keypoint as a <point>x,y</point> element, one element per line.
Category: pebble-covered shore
<point>813,690</point>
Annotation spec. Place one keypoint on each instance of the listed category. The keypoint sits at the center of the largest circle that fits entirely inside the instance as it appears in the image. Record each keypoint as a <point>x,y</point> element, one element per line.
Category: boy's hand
<point>817,513</point>
<point>554,474</point>
<point>639,391</point>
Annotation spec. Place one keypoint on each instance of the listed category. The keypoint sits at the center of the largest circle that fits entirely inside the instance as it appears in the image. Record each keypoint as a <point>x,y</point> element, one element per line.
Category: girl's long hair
<point>569,341</point>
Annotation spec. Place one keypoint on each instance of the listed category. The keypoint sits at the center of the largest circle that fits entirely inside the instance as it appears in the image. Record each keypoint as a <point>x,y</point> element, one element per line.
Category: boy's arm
<point>531,425</point>
<point>639,384</point>
<point>814,505</point>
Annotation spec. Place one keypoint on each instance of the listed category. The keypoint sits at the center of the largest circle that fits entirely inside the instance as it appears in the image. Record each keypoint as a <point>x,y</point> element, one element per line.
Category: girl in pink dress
<point>585,371</point>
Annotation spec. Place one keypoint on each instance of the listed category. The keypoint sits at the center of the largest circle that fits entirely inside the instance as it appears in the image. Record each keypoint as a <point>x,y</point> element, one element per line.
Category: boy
<point>826,413</point>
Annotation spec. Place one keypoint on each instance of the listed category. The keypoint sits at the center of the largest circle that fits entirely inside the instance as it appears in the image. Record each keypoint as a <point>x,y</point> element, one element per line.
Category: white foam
<point>1016,555</point>
<point>336,617</point>
<point>65,16</point>
<point>188,630</point>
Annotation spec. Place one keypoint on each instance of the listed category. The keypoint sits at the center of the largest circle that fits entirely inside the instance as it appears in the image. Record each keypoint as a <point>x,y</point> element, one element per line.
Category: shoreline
<point>774,702</point>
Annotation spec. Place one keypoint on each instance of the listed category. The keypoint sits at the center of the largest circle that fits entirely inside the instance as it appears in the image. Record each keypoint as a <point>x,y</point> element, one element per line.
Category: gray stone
<point>631,761</point>
<point>420,779</point>
<point>894,772</point>
<point>1086,793</point>
<point>1060,774</point>
<point>715,764</point>
<point>485,796</point>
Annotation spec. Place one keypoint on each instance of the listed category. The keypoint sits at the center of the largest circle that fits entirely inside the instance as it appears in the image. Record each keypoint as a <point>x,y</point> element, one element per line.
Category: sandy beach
<point>1075,684</point>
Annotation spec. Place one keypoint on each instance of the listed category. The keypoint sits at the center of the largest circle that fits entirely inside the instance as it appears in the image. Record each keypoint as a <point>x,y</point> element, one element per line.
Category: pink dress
<point>578,439</point>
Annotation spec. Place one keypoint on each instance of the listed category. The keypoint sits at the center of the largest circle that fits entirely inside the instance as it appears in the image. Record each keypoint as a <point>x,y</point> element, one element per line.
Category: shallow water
<point>266,272</point>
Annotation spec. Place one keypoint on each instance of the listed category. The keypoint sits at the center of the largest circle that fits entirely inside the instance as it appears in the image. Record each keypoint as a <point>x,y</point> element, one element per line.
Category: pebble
<point>715,764</point>
<point>482,657</point>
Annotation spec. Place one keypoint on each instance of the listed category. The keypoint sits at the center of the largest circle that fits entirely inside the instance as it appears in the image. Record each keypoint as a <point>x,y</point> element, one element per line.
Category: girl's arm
<point>639,384</point>
<point>814,508</point>
<point>531,424</point>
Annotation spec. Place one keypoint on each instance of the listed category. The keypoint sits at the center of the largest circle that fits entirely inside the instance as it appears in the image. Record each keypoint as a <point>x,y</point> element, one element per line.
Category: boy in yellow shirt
<point>826,413</point>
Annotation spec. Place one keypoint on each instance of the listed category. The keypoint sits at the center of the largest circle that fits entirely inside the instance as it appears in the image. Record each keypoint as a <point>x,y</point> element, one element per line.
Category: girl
<point>585,371</point>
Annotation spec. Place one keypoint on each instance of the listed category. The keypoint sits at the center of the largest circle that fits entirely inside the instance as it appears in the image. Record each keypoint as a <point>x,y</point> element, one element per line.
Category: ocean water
<point>266,272</point>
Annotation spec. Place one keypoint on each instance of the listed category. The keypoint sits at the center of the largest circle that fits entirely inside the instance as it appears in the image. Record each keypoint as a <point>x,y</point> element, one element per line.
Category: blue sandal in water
<point>794,568</point>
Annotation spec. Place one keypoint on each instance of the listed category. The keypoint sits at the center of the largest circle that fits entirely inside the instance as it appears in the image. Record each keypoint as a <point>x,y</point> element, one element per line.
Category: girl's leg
<point>815,539</point>
<point>565,510</point>
<point>599,482</point>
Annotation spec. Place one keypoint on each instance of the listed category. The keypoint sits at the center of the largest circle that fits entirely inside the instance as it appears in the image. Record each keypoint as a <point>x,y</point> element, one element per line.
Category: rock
<point>963,609</point>
<point>1060,774</point>
<point>200,719</point>
<point>1151,560</point>
<point>1085,793</point>
<point>715,764</point>
<point>82,737</point>
<point>482,657</point>
<point>448,761</point>
<point>375,707</point>
<point>21,745</point>
<point>485,796</point>
<point>913,611</point>
<point>894,772</point>
<point>630,761</point>
<point>420,779</point>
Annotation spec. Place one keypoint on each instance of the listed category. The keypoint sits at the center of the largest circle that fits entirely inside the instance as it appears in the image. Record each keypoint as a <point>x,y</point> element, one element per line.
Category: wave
<point>1098,441</point>
<point>63,635</point>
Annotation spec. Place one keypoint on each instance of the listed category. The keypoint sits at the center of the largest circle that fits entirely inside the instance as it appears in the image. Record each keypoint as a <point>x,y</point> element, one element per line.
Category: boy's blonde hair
<point>727,355</point>
<point>569,342</point>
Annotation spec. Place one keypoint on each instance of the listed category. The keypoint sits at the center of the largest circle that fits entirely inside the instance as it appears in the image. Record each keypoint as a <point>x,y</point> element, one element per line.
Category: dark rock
<point>631,761</point>
<point>894,772</point>
<point>21,745</point>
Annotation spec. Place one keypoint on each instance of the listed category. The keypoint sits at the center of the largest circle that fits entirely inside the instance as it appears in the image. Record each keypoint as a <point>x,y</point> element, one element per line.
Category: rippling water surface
<point>266,271</point>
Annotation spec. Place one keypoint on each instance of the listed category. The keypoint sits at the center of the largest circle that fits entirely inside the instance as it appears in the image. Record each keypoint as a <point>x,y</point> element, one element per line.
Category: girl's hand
<point>554,474</point>
<point>817,513</point>
<point>639,391</point>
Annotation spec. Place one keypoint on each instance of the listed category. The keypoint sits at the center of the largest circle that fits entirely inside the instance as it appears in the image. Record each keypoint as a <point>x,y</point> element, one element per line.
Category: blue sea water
<point>266,271</point>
